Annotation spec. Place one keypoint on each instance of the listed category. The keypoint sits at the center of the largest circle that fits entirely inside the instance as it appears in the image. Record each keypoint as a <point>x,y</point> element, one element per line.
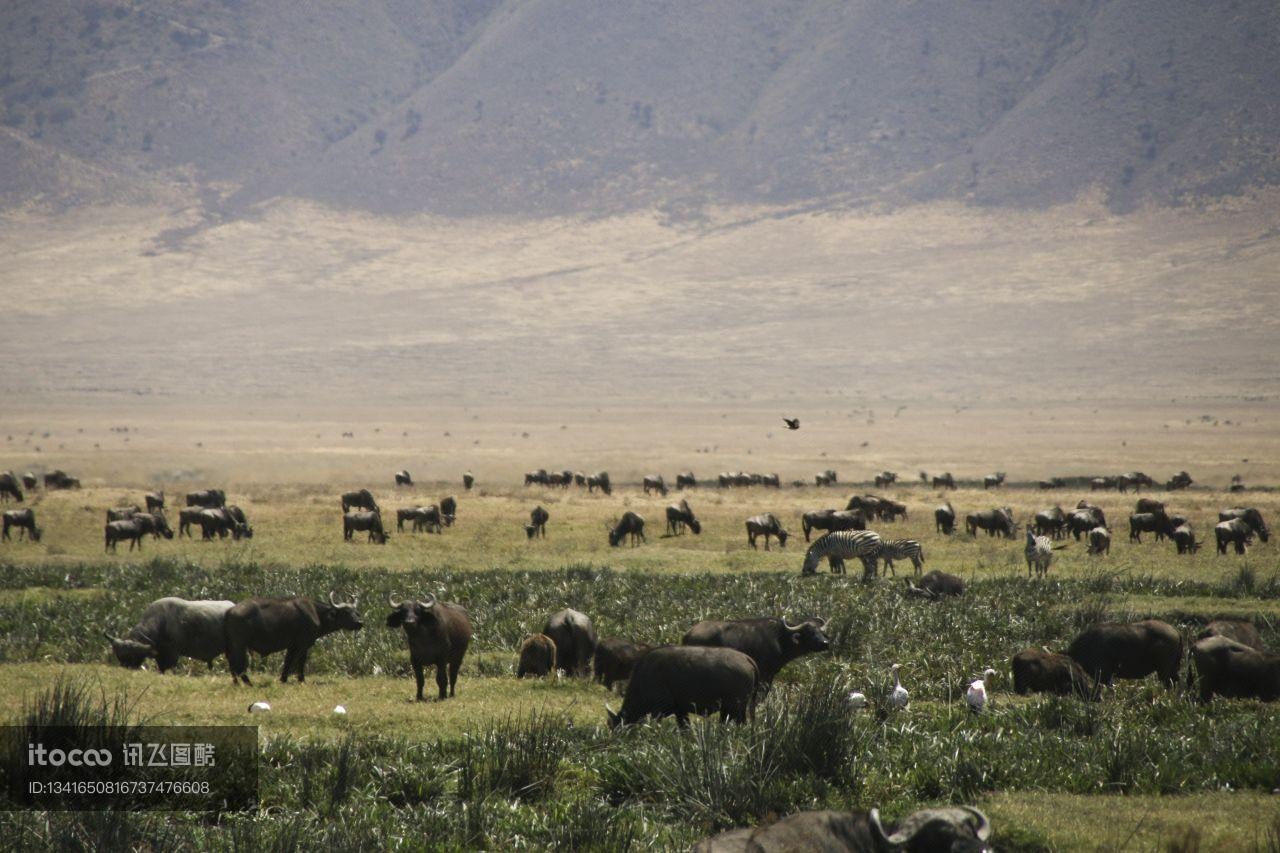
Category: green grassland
<point>512,764</point>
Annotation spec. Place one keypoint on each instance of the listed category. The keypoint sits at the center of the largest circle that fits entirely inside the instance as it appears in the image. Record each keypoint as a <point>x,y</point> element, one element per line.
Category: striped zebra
<point>901,549</point>
<point>1039,553</point>
<point>839,546</point>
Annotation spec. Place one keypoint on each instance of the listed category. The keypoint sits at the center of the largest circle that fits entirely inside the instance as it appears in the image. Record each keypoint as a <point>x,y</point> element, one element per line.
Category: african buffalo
<point>210,498</point>
<point>291,625</point>
<point>575,639</point>
<point>680,516</point>
<point>537,525</point>
<point>683,680</point>
<point>616,658</point>
<point>935,584</point>
<point>25,521</point>
<point>1042,671</point>
<point>765,525</point>
<point>171,629</point>
<point>359,499</point>
<point>438,633</point>
<point>944,519</point>
<point>537,656</point>
<point>1236,629</point>
<point>631,524</point>
<point>370,521</point>
<point>769,641</point>
<point>961,829</point>
<point>1230,669</point>
<point>1112,650</point>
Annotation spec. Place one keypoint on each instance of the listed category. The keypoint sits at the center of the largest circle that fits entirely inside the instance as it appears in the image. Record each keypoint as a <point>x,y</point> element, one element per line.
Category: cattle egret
<point>259,707</point>
<point>976,695</point>
<point>857,700</point>
<point>338,709</point>
<point>898,697</point>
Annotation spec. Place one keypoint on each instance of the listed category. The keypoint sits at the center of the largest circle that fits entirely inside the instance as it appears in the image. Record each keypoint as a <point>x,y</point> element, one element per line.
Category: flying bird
<point>976,695</point>
<point>792,423</point>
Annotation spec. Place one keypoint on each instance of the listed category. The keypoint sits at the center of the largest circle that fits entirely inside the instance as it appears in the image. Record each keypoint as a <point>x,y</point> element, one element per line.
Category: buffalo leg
<point>301,664</point>
<point>420,678</point>
<point>453,678</point>
<point>290,656</point>
<point>442,681</point>
<point>238,663</point>
<point>166,662</point>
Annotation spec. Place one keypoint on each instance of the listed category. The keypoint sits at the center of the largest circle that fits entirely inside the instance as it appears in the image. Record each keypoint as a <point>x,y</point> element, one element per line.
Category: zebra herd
<point>866,546</point>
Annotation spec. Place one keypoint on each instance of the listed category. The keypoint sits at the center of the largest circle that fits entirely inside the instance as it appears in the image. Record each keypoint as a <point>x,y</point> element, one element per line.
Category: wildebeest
<point>962,829</point>
<point>438,633</point>
<point>1184,539</point>
<point>405,514</point>
<point>600,480</point>
<point>1231,669</point>
<point>154,523</point>
<point>765,525</point>
<point>1234,532</point>
<point>1084,519</point>
<point>889,509</point>
<point>537,525</point>
<point>631,524</point>
<point>1050,522</point>
<point>998,520</point>
<point>428,518</point>
<point>468,480</point>
<point>1180,480</point>
<point>655,483</point>
<point>684,680</point>
<point>935,584</point>
<point>221,521</point>
<point>825,478</point>
<point>359,499</point>
<point>575,639</point>
<point>946,481</point>
<point>771,642</point>
<point>885,478</point>
<point>1110,650</point>
<point>210,498</point>
<point>120,513</point>
<point>538,477</point>
<point>155,501</point>
<point>579,478</point>
<point>291,625</point>
<point>25,521</point>
<point>537,656</point>
<point>686,480</point>
<point>1052,483</point>
<point>771,481</point>
<point>1043,671</point>
<point>9,487</point>
<point>1149,505</point>
<point>869,505</point>
<point>369,521</point>
<point>831,520</point>
<point>1149,522</point>
<point>448,510</point>
<point>117,531</point>
<point>944,519</point>
<point>1102,484</point>
<point>1240,630</point>
<point>616,659</point>
<point>1135,480</point>
<point>1099,541</point>
<point>171,629</point>
<point>60,480</point>
<point>993,481</point>
<point>403,478</point>
<point>1251,517</point>
<point>680,516</point>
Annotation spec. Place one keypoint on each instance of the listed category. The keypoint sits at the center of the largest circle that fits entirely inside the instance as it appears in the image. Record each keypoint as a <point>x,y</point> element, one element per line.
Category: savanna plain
<point>530,764</point>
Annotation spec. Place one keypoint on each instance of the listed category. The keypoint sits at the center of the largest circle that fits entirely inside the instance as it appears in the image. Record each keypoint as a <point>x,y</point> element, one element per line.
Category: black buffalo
<point>537,656</point>
<point>631,524</point>
<point>291,625</point>
<point>1043,671</point>
<point>1235,629</point>
<point>370,521</point>
<point>575,639</point>
<point>771,642</point>
<point>438,633</point>
<point>962,829</point>
<point>684,680</point>
<point>1230,669</point>
<point>1112,650</point>
<point>25,521</point>
<point>359,499</point>
<point>616,658</point>
<point>171,629</point>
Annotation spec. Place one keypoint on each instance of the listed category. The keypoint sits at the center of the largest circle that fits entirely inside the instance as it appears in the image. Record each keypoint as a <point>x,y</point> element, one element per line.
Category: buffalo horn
<point>110,638</point>
<point>983,830</point>
<point>822,623</point>
<point>332,600</point>
<point>791,627</point>
<point>877,829</point>
<point>391,600</point>
<point>429,601</point>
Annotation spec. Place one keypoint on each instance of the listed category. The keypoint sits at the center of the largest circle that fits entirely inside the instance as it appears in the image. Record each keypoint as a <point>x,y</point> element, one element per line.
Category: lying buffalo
<point>684,680</point>
<point>1112,650</point>
<point>769,641</point>
<point>438,633</point>
<point>1235,629</point>
<point>171,629</point>
<point>537,656</point>
<point>1230,669</point>
<point>291,625</point>
<point>1042,671</point>
<point>616,659</point>
<point>575,640</point>
<point>962,829</point>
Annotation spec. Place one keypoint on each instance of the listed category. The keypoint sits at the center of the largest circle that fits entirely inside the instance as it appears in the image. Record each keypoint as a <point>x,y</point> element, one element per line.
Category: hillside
<point>542,107</point>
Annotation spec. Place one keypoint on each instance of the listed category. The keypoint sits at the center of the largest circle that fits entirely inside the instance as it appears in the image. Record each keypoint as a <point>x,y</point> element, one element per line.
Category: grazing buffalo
<point>1099,541</point>
<point>1042,671</point>
<point>210,498</point>
<point>171,629</point>
<point>449,510</point>
<point>1150,522</point>
<point>998,520</point>
<point>935,585</point>
<point>118,531</point>
<point>1230,669</point>
<point>686,480</point>
<point>1184,539</point>
<point>60,480</point>
<point>438,633</point>
<point>155,501</point>
<point>831,520</point>
<point>291,625</point>
<point>683,680</point>
<point>993,481</point>
<point>769,641</point>
<point>368,521</point>
<point>616,658</point>
<point>1239,630</point>
<point>1234,532</point>
<point>25,521</point>
<point>359,499</point>
<point>944,519</point>
<point>9,487</point>
<point>1112,650</point>
<point>962,829</point>
<point>1050,522</point>
<point>403,478</point>
<point>765,525</point>
<point>680,516</point>
<point>655,483</point>
<point>537,525</point>
<point>631,524</point>
<point>537,656</point>
<point>575,639</point>
<point>1251,517</point>
<point>468,480</point>
<point>946,481</point>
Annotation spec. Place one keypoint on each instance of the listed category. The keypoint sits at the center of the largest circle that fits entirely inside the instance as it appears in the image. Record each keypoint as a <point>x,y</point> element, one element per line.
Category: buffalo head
<point>808,636</point>
<point>344,616</point>
<point>409,613</point>
<point>130,653</point>
<point>961,830</point>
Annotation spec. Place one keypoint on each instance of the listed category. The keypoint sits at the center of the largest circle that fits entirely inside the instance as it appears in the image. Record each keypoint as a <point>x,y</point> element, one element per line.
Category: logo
<point>39,756</point>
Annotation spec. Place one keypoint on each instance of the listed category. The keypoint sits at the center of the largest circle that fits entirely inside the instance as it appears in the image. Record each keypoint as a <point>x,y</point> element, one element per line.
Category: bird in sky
<point>792,423</point>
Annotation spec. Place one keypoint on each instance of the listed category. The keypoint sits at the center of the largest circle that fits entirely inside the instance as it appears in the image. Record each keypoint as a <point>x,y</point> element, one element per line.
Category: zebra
<point>902,549</point>
<point>1039,553</point>
<point>839,546</point>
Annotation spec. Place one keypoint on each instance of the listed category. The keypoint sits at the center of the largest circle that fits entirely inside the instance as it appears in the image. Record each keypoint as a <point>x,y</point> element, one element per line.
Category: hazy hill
<point>541,106</point>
